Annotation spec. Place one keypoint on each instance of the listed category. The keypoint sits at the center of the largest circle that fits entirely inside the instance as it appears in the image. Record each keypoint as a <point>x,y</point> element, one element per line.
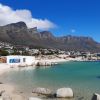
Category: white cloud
<point>73,30</point>
<point>8,15</point>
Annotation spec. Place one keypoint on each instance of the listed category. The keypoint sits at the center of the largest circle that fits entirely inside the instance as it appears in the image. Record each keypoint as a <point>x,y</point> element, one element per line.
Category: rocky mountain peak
<point>33,30</point>
<point>46,34</point>
<point>18,25</point>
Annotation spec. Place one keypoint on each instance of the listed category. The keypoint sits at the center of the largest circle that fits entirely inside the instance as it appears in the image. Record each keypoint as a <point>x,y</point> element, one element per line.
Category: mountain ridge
<point>19,34</point>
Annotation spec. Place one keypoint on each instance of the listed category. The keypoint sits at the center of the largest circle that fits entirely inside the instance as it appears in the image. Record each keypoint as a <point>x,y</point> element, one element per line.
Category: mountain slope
<point>19,34</point>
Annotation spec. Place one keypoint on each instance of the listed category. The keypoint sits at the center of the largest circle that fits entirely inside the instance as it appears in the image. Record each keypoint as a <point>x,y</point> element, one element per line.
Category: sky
<point>61,17</point>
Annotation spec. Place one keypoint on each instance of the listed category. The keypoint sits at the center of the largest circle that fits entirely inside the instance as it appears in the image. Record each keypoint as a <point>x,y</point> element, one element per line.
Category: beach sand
<point>11,90</point>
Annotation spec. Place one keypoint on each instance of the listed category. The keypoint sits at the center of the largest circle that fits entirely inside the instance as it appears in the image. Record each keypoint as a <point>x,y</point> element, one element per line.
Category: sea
<point>82,77</point>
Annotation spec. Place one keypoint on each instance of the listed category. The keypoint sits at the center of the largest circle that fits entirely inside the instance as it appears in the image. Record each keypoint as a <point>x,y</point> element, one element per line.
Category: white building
<point>18,60</point>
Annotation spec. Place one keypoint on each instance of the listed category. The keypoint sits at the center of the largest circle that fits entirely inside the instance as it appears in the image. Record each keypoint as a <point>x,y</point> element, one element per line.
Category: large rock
<point>42,91</point>
<point>44,63</point>
<point>1,92</point>
<point>96,96</point>
<point>33,98</point>
<point>64,93</point>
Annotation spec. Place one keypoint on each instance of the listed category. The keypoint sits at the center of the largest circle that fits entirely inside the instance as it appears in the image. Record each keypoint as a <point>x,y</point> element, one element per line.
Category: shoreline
<point>4,68</point>
<point>11,90</point>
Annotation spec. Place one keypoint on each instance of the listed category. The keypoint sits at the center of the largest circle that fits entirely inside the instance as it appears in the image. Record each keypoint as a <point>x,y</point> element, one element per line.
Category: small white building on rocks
<point>19,60</point>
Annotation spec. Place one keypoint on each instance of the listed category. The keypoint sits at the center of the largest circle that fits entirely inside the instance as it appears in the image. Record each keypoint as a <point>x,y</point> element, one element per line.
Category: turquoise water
<point>82,77</point>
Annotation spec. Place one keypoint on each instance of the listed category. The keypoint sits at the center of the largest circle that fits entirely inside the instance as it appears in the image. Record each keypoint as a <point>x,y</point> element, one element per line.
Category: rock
<point>33,98</point>
<point>1,83</point>
<point>1,92</point>
<point>81,98</point>
<point>43,91</point>
<point>64,93</point>
<point>44,63</point>
<point>98,77</point>
<point>21,92</point>
<point>96,96</point>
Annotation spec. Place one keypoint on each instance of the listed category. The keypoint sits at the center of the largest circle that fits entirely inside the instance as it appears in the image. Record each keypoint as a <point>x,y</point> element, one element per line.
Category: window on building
<point>24,59</point>
<point>14,60</point>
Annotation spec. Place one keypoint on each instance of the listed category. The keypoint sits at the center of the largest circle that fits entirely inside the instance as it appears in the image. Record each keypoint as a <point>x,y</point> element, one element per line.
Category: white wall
<point>29,60</point>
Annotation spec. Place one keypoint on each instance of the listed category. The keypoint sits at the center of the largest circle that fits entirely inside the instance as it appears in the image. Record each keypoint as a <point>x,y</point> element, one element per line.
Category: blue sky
<point>74,17</point>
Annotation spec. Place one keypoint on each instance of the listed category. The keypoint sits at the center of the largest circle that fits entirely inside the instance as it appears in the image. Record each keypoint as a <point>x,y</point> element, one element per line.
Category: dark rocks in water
<point>98,77</point>
<point>1,83</point>
<point>43,91</point>
<point>21,92</point>
<point>1,92</point>
<point>96,97</point>
<point>81,98</point>
<point>51,95</point>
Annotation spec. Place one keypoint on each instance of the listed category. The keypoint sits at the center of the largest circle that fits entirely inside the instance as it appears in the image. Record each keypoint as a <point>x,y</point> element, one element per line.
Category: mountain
<point>19,34</point>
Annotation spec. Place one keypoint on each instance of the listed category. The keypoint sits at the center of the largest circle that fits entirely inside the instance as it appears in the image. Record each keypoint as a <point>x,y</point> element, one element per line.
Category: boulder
<point>1,83</point>
<point>44,63</point>
<point>96,96</point>
<point>64,93</point>
<point>33,98</point>
<point>43,91</point>
<point>1,92</point>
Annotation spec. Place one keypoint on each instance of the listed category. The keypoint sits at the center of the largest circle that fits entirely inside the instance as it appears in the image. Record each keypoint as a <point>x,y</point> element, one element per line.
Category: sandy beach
<point>9,91</point>
<point>3,68</point>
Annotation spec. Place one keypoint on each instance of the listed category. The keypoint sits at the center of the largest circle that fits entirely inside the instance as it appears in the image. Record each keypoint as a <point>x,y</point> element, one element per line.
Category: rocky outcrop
<point>44,63</point>
<point>43,91</point>
<point>1,92</point>
<point>64,93</point>
<point>34,98</point>
<point>96,96</point>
